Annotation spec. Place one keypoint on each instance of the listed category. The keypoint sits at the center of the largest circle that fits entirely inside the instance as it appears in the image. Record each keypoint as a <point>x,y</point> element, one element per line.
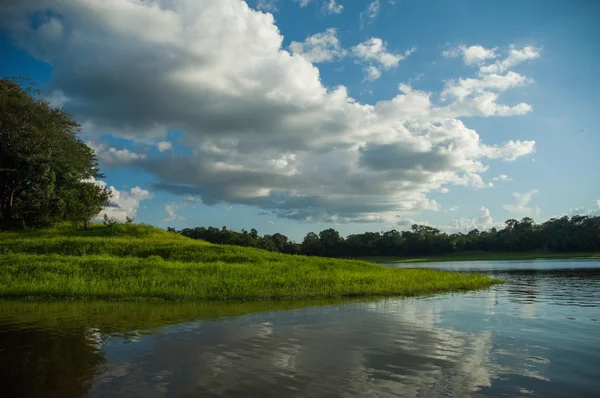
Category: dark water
<point>537,335</point>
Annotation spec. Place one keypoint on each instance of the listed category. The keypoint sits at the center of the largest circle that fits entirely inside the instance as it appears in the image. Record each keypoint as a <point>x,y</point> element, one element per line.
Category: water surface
<point>536,335</point>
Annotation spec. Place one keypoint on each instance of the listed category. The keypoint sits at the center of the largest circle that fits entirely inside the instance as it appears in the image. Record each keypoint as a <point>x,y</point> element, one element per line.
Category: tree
<point>41,157</point>
<point>85,201</point>
<point>311,245</point>
<point>331,242</point>
<point>580,233</point>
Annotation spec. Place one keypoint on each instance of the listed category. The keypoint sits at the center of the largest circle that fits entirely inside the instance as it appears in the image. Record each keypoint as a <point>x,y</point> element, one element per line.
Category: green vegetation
<point>129,262</point>
<point>45,168</point>
<point>482,256</point>
<point>555,238</point>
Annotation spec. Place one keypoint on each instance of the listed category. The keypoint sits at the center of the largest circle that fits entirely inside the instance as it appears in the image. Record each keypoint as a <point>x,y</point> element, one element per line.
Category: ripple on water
<point>535,335</point>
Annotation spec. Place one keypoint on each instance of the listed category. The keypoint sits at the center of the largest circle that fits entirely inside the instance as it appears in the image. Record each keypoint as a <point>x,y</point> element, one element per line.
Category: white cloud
<point>57,99</point>
<point>171,209</point>
<point>267,5</point>
<point>268,134</point>
<point>370,13</point>
<point>463,88</point>
<point>473,55</point>
<point>110,156</point>
<point>444,190</point>
<point>501,177</point>
<point>328,6</point>
<point>510,150</point>
<point>372,73</point>
<point>520,205</point>
<point>332,7</point>
<point>483,221</point>
<point>473,180</point>
<point>164,146</point>
<point>375,50</point>
<point>482,92</point>
<point>582,211</point>
<point>320,47</point>
<point>478,55</point>
<point>515,56</point>
<point>123,204</point>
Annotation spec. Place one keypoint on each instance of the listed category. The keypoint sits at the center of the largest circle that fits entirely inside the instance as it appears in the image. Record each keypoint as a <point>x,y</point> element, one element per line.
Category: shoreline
<point>135,262</point>
<point>482,256</point>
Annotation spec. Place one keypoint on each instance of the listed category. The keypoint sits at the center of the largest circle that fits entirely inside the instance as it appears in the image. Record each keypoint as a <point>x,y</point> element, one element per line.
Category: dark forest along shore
<point>534,336</point>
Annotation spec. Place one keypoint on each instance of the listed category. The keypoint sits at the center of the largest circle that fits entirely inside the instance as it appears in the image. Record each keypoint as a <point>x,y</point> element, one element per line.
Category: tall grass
<point>129,262</point>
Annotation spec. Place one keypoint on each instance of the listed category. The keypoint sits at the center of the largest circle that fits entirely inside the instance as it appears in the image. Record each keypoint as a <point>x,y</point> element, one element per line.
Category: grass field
<point>482,256</point>
<point>133,262</point>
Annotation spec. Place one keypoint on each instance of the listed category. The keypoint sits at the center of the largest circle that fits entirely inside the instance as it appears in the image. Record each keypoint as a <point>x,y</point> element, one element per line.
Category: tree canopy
<point>43,162</point>
<point>578,233</point>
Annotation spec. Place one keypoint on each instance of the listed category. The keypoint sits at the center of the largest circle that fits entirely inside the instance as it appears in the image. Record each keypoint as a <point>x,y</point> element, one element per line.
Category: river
<point>537,335</point>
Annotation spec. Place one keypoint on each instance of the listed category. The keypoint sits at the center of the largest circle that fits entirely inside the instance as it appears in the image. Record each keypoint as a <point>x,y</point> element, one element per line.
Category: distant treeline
<point>575,234</point>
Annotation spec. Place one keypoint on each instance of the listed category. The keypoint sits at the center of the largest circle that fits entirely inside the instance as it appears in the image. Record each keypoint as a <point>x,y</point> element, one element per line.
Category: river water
<point>537,335</point>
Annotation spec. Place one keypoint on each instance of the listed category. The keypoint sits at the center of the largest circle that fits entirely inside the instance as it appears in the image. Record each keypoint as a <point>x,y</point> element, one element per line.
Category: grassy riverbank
<point>132,262</point>
<point>482,256</point>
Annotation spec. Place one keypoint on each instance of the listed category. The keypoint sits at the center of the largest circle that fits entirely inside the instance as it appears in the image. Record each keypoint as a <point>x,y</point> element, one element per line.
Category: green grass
<point>133,262</point>
<point>482,256</point>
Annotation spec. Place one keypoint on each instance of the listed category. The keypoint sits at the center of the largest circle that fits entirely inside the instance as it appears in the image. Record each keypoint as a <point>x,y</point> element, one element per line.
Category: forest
<point>578,233</point>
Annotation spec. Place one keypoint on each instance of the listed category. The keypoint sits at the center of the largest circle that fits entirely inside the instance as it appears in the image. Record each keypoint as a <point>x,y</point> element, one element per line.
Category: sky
<point>294,116</point>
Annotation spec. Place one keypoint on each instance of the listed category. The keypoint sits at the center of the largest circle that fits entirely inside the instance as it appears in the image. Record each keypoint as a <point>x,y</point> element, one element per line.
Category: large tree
<point>42,158</point>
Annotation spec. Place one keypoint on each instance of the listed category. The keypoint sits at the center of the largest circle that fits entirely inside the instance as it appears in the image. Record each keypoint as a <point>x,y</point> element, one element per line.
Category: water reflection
<point>38,362</point>
<point>536,335</point>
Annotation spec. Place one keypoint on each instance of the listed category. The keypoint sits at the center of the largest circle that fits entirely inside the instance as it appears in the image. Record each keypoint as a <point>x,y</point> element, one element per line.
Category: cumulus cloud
<point>463,88</point>
<point>478,55</point>
<point>164,146</point>
<point>171,213</point>
<point>122,204</point>
<point>482,91</point>
<point>583,211</point>
<point>520,205</point>
<point>372,73</point>
<point>110,156</point>
<point>320,47</point>
<point>515,56</point>
<point>375,50</point>
<point>268,134</point>
<point>510,150</point>
<point>483,221</point>
<point>473,55</point>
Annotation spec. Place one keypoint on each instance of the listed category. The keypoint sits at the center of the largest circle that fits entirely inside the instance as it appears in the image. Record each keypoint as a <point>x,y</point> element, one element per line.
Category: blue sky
<point>295,116</point>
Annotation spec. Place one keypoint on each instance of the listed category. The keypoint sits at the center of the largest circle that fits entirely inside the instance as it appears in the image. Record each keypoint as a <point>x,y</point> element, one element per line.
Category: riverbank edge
<point>482,256</point>
<point>140,262</point>
<point>64,278</point>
